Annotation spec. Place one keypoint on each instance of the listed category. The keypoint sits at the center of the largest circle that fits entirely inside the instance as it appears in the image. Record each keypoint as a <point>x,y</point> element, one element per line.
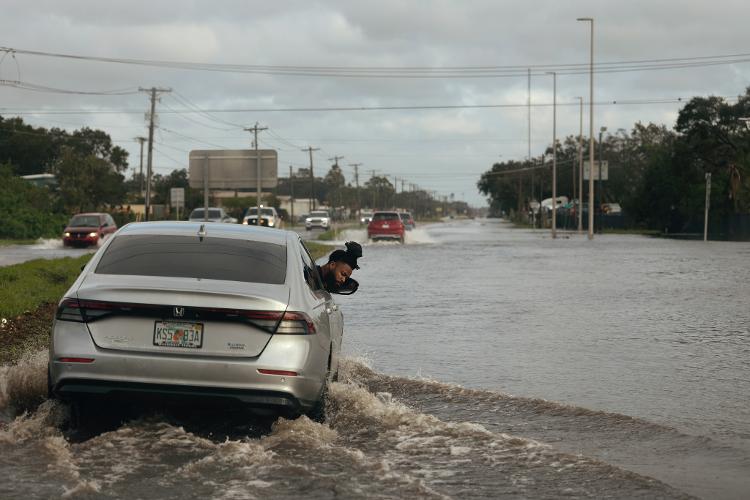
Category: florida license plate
<point>178,334</point>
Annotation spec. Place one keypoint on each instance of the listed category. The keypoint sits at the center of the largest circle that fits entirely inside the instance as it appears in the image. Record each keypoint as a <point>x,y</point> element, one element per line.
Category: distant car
<point>318,218</point>
<point>197,312</point>
<point>612,208</point>
<point>88,229</point>
<point>268,217</point>
<point>365,216</point>
<point>214,215</point>
<point>386,226</point>
<point>407,220</point>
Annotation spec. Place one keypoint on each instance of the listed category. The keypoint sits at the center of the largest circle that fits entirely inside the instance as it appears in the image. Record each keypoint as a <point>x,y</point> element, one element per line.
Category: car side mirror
<point>348,288</point>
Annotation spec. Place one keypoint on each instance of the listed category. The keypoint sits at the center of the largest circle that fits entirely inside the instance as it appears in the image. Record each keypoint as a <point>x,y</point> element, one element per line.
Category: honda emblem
<point>179,312</point>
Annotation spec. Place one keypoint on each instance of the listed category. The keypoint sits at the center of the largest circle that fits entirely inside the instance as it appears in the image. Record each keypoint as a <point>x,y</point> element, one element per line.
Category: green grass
<point>26,286</point>
<point>318,250</point>
<point>16,242</point>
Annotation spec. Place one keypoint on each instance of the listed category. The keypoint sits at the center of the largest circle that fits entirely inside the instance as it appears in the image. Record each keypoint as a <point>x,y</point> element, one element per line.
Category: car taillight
<point>296,323</point>
<point>86,311</point>
<point>265,320</point>
<point>69,310</point>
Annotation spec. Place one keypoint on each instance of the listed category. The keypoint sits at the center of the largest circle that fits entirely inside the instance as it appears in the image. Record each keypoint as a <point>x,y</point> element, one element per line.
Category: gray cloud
<point>444,150</point>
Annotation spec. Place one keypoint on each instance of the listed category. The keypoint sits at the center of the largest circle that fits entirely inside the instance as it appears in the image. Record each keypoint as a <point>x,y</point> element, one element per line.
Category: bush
<point>27,211</point>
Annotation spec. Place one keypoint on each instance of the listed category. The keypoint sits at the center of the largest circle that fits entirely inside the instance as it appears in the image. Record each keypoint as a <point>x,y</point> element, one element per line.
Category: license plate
<point>386,226</point>
<point>178,334</point>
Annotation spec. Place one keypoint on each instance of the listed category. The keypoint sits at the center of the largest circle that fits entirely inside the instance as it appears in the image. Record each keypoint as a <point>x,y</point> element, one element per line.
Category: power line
<point>496,71</point>
<point>615,102</point>
<point>53,90</point>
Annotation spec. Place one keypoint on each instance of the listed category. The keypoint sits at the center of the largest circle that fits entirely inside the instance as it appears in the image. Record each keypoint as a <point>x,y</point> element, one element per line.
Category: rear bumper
<point>121,373</point>
<point>70,388</point>
<point>379,234</point>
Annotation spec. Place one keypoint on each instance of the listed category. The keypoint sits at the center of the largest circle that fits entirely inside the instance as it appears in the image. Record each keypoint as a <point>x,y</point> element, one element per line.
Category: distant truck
<point>269,217</point>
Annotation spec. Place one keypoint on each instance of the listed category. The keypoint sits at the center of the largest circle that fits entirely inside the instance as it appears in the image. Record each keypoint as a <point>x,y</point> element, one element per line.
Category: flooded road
<point>42,249</point>
<point>628,359</point>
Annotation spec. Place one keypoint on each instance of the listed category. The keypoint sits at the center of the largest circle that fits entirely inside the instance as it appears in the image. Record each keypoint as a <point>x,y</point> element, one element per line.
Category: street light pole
<point>599,191</point>
<point>580,171</point>
<point>554,153</point>
<point>591,128</point>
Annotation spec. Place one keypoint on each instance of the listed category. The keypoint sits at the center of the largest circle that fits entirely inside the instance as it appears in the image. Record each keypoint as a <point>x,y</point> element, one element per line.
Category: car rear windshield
<point>263,211</point>
<point>84,221</point>
<point>385,216</point>
<point>212,214</point>
<point>189,257</point>
<point>405,217</point>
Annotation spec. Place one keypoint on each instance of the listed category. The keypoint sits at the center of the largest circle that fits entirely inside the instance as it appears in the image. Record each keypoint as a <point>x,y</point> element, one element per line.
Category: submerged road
<point>482,362</point>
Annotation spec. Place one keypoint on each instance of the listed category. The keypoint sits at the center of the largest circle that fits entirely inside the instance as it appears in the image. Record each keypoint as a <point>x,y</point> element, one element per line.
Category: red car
<point>386,226</point>
<point>88,229</point>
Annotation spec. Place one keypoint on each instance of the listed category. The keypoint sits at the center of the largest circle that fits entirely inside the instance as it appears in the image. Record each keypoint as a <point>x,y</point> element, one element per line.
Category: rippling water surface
<point>482,362</point>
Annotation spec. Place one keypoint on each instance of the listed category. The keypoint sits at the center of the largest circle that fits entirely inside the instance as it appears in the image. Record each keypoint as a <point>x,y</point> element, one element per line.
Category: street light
<point>591,128</point>
<point>599,191</point>
<point>554,153</point>
<point>580,171</point>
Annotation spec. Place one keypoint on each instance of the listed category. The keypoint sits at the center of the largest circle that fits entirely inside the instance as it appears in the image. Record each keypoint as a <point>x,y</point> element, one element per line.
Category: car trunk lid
<point>181,316</point>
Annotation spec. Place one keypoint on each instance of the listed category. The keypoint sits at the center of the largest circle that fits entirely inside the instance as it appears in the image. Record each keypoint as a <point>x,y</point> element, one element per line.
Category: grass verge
<point>318,250</point>
<point>28,296</point>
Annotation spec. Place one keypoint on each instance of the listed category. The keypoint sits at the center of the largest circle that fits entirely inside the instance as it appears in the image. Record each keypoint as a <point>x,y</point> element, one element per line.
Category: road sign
<point>234,168</point>
<point>605,170</point>
<point>177,197</point>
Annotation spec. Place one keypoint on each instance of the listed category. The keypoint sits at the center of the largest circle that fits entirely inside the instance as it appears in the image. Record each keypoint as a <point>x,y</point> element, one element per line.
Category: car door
<point>332,312</point>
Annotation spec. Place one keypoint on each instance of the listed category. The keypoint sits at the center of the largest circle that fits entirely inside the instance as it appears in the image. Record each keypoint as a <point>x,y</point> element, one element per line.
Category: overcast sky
<point>439,149</point>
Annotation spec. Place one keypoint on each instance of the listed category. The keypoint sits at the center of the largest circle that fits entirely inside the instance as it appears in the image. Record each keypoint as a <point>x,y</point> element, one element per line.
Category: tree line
<point>90,174</point>
<point>657,174</point>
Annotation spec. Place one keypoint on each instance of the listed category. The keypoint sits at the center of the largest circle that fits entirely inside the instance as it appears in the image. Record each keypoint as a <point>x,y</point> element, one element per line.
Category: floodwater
<point>482,362</point>
<point>42,249</point>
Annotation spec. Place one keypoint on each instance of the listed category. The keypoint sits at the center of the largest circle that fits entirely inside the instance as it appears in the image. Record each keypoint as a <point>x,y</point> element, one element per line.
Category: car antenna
<point>201,232</point>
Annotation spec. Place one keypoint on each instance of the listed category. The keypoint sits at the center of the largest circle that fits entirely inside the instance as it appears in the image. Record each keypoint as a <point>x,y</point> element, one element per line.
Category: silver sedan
<point>193,309</point>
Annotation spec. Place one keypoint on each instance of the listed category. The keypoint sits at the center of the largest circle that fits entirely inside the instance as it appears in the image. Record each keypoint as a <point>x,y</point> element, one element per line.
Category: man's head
<point>341,264</point>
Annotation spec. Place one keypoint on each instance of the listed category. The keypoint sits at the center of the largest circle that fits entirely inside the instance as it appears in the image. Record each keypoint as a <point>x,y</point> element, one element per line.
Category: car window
<point>198,212</point>
<point>84,221</point>
<point>214,214</point>
<point>318,214</point>
<point>192,257</point>
<point>311,276</point>
<point>385,216</point>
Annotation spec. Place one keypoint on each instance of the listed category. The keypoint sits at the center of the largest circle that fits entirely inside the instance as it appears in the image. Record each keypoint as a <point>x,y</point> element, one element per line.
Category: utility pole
<point>528,119</point>
<point>375,192</point>
<point>554,154</point>
<point>708,203</point>
<point>291,192</point>
<point>356,183</point>
<point>149,168</point>
<point>591,127</point>
<point>335,160</point>
<point>141,140</point>
<point>255,129</point>
<point>310,150</point>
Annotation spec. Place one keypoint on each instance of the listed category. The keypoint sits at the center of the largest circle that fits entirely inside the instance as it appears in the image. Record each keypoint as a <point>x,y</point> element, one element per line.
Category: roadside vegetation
<point>90,175</point>
<point>657,173</point>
